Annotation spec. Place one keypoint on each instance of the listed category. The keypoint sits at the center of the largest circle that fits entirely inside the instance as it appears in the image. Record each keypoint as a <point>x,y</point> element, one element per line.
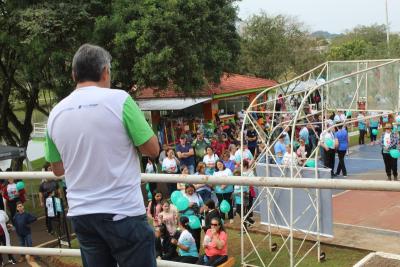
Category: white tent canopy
<point>298,86</point>
<point>169,103</point>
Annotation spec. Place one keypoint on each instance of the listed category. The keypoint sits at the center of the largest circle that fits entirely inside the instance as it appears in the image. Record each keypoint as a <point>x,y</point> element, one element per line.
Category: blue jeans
<point>103,242</point>
<point>25,240</point>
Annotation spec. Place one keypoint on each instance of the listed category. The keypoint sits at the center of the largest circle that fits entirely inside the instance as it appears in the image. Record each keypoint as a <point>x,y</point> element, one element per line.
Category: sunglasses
<point>214,224</point>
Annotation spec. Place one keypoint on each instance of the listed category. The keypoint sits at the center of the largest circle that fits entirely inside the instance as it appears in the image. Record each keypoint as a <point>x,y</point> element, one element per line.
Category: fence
<point>369,185</point>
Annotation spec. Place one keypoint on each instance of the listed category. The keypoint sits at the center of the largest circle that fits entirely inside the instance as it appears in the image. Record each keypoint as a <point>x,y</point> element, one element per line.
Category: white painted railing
<point>369,185</point>
<point>71,253</point>
<point>39,129</point>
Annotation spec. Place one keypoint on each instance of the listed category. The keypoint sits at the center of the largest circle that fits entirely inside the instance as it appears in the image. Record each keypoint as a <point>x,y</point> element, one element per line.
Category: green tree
<point>37,41</point>
<point>180,43</point>
<point>277,47</point>
<point>183,43</point>
<point>364,42</point>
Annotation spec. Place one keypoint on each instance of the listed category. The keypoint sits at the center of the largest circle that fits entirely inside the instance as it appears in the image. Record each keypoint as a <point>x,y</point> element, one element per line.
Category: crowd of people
<point>219,155</point>
<point>13,217</point>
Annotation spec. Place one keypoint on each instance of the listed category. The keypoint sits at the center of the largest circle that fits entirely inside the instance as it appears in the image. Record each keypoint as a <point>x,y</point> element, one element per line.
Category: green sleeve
<point>50,150</point>
<point>139,131</point>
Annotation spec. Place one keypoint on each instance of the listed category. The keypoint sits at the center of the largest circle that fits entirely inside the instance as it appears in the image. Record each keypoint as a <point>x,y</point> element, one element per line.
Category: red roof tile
<point>229,83</point>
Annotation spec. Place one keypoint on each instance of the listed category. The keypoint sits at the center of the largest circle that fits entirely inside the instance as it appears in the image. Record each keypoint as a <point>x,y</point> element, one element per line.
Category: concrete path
<point>367,219</point>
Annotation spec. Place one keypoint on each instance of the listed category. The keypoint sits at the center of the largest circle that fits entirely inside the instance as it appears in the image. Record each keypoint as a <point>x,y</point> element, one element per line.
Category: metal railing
<point>369,185</point>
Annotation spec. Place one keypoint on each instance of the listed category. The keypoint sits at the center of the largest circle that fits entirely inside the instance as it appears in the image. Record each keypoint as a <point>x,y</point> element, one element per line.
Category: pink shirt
<point>157,211</point>
<point>211,249</point>
<point>169,219</point>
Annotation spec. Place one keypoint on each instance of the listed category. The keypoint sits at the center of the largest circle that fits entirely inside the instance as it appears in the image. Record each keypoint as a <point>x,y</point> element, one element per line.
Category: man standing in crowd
<point>328,143</point>
<point>305,135</point>
<point>45,189</point>
<point>280,149</point>
<point>342,139</point>
<point>92,137</point>
<point>389,141</point>
<point>200,144</point>
<point>251,138</point>
<point>185,153</point>
<point>361,128</point>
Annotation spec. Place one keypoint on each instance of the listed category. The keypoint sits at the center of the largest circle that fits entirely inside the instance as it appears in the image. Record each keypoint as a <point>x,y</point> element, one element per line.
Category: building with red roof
<point>232,87</point>
<point>173,112</point>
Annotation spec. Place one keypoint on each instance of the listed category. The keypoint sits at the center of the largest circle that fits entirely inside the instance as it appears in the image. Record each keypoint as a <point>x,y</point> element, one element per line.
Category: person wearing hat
<point>327,142</point>
<point>185,153</point>
<point>389,141</point>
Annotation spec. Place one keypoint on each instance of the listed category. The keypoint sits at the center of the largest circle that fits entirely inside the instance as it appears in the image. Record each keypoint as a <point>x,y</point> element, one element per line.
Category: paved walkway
<point>39,236</point>
<point>367,219</point>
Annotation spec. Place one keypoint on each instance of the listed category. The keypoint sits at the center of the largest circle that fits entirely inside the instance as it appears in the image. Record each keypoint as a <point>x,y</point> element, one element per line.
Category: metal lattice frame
<point>340,84</point>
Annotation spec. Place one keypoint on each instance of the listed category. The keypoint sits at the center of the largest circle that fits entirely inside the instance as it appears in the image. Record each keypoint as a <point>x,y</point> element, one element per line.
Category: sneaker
<point>345,175</point>
<point>13,262</point>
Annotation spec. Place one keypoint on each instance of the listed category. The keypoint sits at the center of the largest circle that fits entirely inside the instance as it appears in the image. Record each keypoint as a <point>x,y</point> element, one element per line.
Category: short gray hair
<point>88,63</point>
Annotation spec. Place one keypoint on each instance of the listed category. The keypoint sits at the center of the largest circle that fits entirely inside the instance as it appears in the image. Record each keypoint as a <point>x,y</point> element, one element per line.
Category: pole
<point>387,27</point>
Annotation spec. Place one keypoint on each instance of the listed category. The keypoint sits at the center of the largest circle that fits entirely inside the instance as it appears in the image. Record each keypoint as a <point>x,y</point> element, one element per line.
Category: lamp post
<point>387,26</point>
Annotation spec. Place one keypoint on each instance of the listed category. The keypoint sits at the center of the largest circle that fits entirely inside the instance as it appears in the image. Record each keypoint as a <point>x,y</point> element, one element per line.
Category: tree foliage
<point>364,42</point>
<point>36,41</point>
<point>276,47</point>
<point>184,43</point>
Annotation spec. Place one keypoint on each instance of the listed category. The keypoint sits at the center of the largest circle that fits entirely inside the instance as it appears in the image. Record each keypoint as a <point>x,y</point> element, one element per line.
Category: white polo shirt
<point>94,132</point>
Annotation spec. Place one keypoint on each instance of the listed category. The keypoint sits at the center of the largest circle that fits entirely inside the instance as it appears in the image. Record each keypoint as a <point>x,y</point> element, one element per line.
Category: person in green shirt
<point>200,144</point>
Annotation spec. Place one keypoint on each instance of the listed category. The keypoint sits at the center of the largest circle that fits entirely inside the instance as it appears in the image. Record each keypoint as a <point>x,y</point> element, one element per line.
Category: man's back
<point>101,164</point>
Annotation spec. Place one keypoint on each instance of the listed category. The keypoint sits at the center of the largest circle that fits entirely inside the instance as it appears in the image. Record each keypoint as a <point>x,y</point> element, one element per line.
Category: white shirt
<point>290,159</point>
<point>210,161</point>
<point>169,165</point>
<point>226,172</point>
<point>150,168</point>
<point>246,155</point>
<point>386,140</point>
<point>102,167</point>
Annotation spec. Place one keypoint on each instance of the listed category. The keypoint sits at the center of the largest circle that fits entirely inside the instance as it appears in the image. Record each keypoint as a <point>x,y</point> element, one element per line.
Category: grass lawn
<point>32,188</point>
<point>335,256</point>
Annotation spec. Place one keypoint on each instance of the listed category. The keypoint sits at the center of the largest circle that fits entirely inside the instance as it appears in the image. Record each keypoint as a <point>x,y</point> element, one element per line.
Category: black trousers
<point>361,140</point>
<point>227,197</point>
<point>12,206</point>
<point>330,160</point>
<point>186,259</point>
<point>212,261</point>
<point>341,166</point>
<point>196,233</point>
<point>390,165</point>
<point>373,137</point>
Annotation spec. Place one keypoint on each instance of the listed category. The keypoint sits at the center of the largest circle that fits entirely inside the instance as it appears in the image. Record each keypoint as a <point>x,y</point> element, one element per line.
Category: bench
<point>229,263</point>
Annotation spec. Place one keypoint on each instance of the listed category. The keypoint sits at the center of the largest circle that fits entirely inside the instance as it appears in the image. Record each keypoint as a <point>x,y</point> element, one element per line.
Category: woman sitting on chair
<point>215,245</point>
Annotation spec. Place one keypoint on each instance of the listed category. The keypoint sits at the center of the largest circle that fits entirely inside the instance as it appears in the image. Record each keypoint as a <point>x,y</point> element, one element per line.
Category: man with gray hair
<point>92,138</point>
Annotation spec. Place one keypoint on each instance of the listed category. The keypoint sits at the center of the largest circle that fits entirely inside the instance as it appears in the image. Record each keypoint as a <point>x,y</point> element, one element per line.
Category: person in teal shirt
<point>361,128</point>
<point>373,125</point>
<point>186,244</point>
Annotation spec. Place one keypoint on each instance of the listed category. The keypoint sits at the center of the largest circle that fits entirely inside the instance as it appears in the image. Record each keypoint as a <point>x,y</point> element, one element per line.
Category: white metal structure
<point>197,179</point>
<point>341,86</point>
<point>39,129</point>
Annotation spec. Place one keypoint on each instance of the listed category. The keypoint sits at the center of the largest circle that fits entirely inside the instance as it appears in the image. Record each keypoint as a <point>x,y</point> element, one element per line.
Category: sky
<point>334,16</point>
